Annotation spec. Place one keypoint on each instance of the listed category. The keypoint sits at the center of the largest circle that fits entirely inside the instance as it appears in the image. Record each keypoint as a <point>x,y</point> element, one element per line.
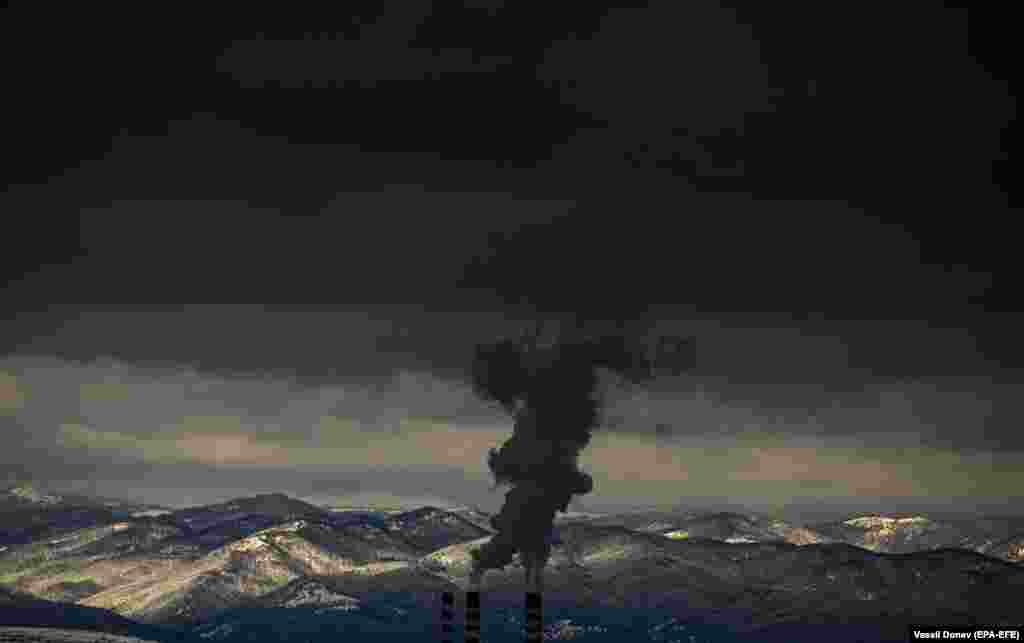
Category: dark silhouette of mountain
<point>20,610</point>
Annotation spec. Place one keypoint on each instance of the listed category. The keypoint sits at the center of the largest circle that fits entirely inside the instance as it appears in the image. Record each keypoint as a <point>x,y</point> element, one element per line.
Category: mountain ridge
<point>197,566</point>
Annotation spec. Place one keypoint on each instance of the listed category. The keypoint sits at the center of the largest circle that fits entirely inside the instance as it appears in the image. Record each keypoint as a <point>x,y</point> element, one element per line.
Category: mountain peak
<point>31,491</point>
<point>276,496</point>
<point>276,504</point>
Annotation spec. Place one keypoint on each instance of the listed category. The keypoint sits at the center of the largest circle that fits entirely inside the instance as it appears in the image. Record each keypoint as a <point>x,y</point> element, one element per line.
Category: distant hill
<point>186,566</point>
<point>904,534</point>
<point>220,570</point>
<point>34,512</point>
<point>476,517</point>
<point>430,528</point>
<point>25,494</point>
<point>725,526</point>
<point>1011,548</point>
<point>270,504</point>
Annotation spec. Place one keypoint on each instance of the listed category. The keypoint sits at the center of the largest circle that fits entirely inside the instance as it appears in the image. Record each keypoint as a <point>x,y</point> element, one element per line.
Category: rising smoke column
<point>553,392</point>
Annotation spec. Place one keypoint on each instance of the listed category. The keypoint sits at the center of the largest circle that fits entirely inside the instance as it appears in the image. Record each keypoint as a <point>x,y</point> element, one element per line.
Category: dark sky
<point>235,248</point>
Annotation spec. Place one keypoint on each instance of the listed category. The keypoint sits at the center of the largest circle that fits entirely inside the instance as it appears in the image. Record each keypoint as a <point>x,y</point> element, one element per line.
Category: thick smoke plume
<point>553,391</point>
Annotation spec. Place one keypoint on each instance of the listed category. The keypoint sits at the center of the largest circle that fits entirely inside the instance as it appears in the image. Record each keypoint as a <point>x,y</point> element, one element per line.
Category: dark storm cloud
<point>709,92</point>
<point>687,64</point>
<point>380,52</point>
<point>962,414</point>
<point>254,218</point>
<point>154,401</point>
<point>616,247</point>
<point>348,344</point>
<point>732,259</point>
<point>251,361</point>
<point>668,164</point>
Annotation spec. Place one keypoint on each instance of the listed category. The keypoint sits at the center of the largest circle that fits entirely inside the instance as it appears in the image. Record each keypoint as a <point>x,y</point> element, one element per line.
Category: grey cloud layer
<point>110,420</point>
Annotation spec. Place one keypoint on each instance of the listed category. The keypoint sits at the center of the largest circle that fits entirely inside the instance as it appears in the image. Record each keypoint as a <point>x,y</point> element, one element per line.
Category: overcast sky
<point>263,263</point>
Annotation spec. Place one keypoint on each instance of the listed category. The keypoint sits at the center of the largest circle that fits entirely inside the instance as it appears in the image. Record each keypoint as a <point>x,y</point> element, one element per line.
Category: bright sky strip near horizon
<point>658,447</point>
